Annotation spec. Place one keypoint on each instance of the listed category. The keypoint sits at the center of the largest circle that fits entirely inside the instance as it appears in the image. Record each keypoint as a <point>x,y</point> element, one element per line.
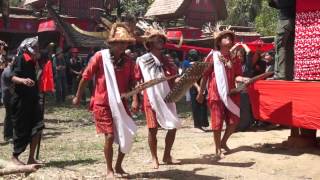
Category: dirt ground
<point>71,149</point>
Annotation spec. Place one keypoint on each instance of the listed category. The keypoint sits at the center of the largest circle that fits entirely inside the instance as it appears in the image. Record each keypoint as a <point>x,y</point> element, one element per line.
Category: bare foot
<point>120,172</point>
<point>226,148</point>
<point>33,161</point>
<point>155,163</point>
<point>17,161</point>
<point>219,154</point>
<point>171,160</point>
<point>110,174</point>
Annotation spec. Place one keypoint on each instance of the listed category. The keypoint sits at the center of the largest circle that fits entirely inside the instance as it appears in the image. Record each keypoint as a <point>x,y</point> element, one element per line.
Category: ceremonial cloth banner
<point>46,83</point>
<point>307,5</point>
<point>307,40</point>
<point>291,103</point>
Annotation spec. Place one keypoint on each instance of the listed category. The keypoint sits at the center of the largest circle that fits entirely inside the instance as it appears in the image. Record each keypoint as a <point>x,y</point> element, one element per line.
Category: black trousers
<point>27,122</point>
<point>199,111</point>
<point>7,127</point>
<point>246,116</point>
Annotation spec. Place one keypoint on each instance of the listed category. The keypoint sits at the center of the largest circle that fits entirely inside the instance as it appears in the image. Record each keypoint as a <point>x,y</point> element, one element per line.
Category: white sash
<point>222,83</point>
<point>166,112</point>
<point>125,128</point>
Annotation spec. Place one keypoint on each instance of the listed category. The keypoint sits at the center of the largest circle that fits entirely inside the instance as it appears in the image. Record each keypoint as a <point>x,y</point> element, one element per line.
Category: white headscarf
<point>28,45</point>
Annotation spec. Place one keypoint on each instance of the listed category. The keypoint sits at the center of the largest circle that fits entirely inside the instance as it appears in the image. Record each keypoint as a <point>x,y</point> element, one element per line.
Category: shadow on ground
<point>66,163</point>
<point>174,174</point>
<point>277,148</point>
<point>210,159</point>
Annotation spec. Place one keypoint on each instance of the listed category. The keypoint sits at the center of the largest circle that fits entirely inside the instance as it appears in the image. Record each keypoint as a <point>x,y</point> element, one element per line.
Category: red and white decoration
<point>307,40</point>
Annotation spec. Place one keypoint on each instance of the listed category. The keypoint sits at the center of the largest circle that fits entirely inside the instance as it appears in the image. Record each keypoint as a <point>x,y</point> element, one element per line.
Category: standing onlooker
<point>6,89</point>
<point>245,56</point>
<point>284,61</point>
<point>26,112</point>
<point>199,110</point>
<point>59,71</point>
<point>3,54</point>
<point>67,57</point>
<point>76,66</point>
<point>268,57</point>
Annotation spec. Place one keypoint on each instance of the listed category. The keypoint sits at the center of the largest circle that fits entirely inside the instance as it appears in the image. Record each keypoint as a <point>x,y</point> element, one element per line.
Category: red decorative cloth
<point>187,48</point>
<point>259,44</point>
<point>307,40</point>
<point>47,83</point>
<point>288,103</point>
<point>307,5</point>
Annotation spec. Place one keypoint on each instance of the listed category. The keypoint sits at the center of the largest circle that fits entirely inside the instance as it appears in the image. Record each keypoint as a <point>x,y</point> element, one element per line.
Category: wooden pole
<point>7,168</point>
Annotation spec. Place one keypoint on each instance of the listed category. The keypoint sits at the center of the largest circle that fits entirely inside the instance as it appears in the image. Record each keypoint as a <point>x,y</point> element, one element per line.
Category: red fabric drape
<point>259,44</point>
<point>287,103</point>
<point>187,48</point>
<point>46,81</point>
<point>307,5</point>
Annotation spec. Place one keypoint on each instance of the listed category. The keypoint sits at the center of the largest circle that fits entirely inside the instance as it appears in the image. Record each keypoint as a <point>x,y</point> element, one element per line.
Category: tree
<point>266,21</point>
<point>132,7</point>
<point>136,7</point>
<point>15,3</point>
<point>242,12</point>
<point>252,13</point>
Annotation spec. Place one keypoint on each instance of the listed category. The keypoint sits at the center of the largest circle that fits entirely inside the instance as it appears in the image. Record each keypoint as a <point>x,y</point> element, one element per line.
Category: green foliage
<point>266,21</point>
<point>242,12</point>
<point>133,7</point>
<point>15,3</point>
<point>252,13</point>
<point>137,8</point>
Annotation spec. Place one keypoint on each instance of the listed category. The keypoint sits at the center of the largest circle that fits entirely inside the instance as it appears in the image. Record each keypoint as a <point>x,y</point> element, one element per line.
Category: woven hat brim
<point>221,34</point>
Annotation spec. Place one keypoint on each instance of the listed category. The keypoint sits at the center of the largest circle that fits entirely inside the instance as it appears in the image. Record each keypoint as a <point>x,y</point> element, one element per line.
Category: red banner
<point>187,48</point>
<point>259,44</point>
<point>47,25</point>
<point>46,81</point>
<point>307,5</point>
<point>290,103</point>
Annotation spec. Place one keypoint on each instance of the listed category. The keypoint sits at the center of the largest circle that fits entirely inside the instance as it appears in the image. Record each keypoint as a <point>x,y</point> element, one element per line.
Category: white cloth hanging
<point>166,112</point>
<point>123,123</point>
<point>222,83</point>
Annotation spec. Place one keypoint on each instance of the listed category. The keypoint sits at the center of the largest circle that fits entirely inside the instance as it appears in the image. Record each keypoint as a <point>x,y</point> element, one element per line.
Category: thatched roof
<point>196,13</point>
<point>165,7</point>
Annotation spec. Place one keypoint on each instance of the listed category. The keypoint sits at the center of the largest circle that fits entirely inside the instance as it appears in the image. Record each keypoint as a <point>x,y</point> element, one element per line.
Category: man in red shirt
<point>150,66</point>
<point>221,105</point>
<point>111,81</point>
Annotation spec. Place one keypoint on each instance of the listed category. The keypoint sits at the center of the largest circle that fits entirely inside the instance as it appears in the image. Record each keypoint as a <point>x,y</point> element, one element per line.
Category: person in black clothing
<point>199,110</point>
<point>25,107</point>
<point>75,67</point>
<point>268,57</point>
<point>245,55</point>
<point>284,61</point>
<point>6,89</point>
